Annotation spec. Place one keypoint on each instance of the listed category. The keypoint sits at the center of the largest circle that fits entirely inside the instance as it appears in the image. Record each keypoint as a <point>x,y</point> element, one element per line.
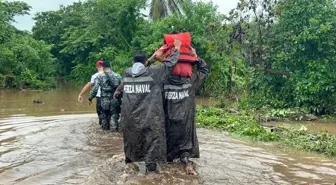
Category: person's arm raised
<point>201,73</point>
<point>166,68</point>
<point>157,55</point>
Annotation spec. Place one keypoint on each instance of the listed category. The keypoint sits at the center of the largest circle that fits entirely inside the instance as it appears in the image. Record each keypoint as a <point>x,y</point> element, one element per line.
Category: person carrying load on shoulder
<point>187,59</point>
<point>179,101</point>
<point>188,56</point>
<point>142,113</point>
<point>180,112</point>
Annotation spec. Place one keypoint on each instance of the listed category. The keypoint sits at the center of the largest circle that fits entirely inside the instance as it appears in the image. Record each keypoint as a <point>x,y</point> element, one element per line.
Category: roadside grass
<point>245,125</point>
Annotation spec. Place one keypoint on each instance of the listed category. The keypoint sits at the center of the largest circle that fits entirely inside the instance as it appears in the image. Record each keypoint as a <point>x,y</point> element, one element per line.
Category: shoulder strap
<point>108,79</point>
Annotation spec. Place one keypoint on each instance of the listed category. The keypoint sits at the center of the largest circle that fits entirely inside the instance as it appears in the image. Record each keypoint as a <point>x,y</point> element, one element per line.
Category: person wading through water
<point>180,110</point>
<point>142,111</point>
<point>179,104</point>
<point>99,66</point>
<point>108,82</point>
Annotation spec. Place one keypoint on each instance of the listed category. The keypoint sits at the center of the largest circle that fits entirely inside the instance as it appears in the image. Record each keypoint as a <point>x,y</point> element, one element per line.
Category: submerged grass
<point>323,142</point>
<point>248,126</point>
<point>242,125</point>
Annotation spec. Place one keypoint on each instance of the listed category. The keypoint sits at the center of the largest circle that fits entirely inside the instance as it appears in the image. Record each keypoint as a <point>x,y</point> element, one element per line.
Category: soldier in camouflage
<point>110,108</point>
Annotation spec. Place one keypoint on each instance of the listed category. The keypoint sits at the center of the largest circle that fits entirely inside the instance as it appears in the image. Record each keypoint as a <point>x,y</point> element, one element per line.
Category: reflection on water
<point>322,125</point>
<point>313,126</point>
<point>206,101</point>
<point>57,102</point>
<point>39,147</point>
<point>53,150</point>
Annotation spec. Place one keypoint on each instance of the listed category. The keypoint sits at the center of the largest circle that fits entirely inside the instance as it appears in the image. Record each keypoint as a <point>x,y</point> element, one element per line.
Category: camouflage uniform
<point>110,108</point>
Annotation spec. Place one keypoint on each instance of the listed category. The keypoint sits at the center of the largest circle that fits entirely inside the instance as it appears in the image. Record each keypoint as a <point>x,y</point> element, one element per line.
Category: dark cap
<point>174,32</point>
<point>106,64</point>
<point>140,56</point>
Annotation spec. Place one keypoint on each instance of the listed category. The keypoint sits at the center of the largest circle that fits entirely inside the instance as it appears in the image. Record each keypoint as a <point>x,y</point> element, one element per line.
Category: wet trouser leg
<point>108,119</point>
<point>118,109</point>
<point>98,109</point>
<point>114,126</point>
<point>105,120</point>
<point>150,164</point>
<point>117,117</point>
<point>114,123</point>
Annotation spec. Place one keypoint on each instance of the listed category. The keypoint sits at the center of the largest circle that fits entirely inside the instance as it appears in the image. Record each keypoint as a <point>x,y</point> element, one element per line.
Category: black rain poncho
<point>180,110</point>
<point>142,112</point>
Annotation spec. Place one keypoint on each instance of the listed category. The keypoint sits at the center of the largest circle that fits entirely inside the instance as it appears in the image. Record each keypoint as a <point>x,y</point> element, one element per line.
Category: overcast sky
<point>26,22</point>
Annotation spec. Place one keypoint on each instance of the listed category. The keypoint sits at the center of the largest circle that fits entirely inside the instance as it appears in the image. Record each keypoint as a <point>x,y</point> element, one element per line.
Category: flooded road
<point>60,142</point>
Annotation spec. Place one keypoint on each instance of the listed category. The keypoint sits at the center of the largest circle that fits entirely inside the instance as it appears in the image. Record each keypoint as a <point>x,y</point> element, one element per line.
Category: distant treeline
<point>275,53</point>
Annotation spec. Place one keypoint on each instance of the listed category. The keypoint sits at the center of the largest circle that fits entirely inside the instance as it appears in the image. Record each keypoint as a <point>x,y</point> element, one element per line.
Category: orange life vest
<point>182,69</point>
<point>187,55</point>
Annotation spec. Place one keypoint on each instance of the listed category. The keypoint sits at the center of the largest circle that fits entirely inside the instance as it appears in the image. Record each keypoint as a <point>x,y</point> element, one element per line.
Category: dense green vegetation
<point>246,125</point>
<point>25,62</point>
<point>276,54</point>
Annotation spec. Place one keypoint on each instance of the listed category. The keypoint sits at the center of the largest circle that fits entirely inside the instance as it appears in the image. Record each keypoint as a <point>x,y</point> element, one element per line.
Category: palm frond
<point>173,6</point>
<point>162,8</point>
<point>158,9</point>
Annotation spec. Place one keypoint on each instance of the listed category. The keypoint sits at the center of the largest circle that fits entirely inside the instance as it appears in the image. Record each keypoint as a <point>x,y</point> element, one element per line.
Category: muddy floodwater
<point>60,142</point>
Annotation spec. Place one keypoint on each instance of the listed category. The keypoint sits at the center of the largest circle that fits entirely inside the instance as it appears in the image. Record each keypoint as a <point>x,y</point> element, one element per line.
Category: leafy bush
<point>301,58</point>
<point>317,142</point>
<point>242,125</point>
<point>25,62</point>
<point>246,125</point>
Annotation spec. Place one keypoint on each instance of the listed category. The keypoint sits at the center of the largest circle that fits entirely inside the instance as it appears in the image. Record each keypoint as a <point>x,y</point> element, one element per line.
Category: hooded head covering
<point>139,61</point>
<point>137,67</point>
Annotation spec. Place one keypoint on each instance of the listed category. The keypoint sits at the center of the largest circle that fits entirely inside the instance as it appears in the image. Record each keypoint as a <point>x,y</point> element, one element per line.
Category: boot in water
<point>151,168</point>
<point>127,160</point>
<point>189,166</point>
<point>185,158</point>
